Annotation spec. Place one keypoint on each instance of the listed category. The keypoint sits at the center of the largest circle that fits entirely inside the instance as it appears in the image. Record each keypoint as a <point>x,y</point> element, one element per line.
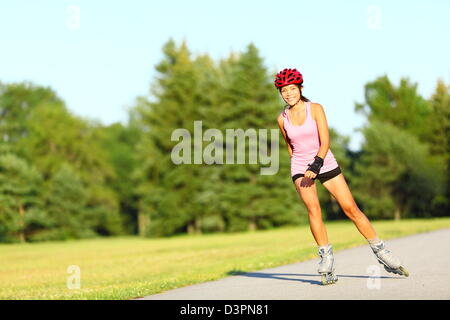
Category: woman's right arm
<point>281,125</point>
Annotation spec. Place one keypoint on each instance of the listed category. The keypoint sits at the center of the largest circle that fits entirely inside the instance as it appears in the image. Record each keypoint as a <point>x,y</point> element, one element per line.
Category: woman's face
<point>290,93</point>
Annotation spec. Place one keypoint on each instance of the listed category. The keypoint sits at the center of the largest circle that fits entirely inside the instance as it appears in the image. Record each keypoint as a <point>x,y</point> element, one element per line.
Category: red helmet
<point>288,76</point>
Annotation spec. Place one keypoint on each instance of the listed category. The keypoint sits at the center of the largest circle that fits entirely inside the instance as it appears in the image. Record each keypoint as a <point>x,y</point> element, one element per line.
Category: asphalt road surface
<point>361,277</point>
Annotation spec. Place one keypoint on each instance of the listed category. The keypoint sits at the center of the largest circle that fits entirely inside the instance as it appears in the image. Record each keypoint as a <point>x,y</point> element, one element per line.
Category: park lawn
<point>130,267</point>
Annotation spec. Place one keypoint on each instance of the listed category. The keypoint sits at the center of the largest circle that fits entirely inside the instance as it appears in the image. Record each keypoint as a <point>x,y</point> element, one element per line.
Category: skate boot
<point>326,265</point>
<point>390,262</point>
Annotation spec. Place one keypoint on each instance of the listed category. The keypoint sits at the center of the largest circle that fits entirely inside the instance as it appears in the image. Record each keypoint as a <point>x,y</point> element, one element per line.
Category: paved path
<point>426,256</point>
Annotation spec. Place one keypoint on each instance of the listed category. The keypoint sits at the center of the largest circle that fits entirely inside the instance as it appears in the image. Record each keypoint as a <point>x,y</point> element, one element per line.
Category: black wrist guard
<point>316,165</point>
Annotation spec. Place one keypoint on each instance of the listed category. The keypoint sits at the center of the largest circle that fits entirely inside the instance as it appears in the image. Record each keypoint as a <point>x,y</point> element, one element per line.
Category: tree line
<point>66,177</point>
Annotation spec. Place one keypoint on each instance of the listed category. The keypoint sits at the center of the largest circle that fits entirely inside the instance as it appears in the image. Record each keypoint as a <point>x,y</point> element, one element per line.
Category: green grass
<point>129,267</point>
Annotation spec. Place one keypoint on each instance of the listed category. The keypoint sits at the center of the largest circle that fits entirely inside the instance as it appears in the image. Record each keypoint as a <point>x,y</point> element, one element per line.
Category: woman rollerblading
<point>326,265</point>
<point>305,130</point>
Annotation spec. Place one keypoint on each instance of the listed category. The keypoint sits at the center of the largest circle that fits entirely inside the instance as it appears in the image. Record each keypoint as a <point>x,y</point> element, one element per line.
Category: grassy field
<point>129,267</point>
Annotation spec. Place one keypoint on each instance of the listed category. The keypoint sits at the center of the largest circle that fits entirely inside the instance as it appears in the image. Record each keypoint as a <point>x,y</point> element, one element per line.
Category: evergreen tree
<point>249,101</point>
<point>119,142</point>
<point>65,202</point>
<point>236,94</point>
<point>166,189</point>
<point>439,140</point>
<point>226,195</point>
<point>19,199</point>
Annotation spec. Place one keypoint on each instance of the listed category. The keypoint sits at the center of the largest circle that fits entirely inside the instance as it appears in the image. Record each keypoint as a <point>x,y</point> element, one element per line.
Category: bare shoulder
<point>316,110</point>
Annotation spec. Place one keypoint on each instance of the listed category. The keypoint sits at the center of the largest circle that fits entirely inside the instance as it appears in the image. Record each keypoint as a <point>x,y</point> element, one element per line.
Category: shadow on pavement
<point>281,276</point>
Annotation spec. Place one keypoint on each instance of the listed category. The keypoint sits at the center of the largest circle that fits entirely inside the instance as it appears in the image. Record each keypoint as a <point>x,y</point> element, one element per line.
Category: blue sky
<point>101,64</point>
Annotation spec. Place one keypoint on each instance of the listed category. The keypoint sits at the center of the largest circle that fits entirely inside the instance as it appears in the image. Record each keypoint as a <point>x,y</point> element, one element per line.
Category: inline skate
<point>326,265</point>
<point>388,260</point>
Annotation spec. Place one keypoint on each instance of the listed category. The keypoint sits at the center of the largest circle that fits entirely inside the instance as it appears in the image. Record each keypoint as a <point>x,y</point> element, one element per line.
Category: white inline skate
<point>326,265</point>
<point>390,262</point>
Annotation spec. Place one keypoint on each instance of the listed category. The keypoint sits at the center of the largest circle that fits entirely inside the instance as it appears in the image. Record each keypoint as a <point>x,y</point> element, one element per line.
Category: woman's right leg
<point>307,191</point>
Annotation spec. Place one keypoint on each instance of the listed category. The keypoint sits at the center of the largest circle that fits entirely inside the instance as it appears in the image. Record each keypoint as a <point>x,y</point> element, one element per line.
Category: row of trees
<point>403,167</point>
<point>62,176</point>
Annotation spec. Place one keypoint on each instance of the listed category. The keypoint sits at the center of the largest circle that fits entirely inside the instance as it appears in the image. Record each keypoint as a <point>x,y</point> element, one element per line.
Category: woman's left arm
<point>322,127</point>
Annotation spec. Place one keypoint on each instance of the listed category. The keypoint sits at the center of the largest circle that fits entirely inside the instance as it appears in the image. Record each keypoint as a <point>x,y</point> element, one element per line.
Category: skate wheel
<point>326,280</point>
<point>404,271</point>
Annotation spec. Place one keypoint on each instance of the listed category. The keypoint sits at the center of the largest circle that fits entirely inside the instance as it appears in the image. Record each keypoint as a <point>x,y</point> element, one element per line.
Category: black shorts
<point>321,176</point>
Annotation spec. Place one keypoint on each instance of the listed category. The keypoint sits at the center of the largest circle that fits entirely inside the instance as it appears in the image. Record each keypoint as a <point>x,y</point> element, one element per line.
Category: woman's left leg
<point>338,187</point>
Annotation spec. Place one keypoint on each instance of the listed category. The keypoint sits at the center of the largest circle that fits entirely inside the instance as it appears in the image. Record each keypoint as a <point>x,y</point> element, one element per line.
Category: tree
<point>396,176</point>
<point>439,140</point>
<point>19,199</point>
<point>17,100</point>
<point>428,120</point>
<point>66,200</point>
<point>165,188</point>
<point>236,94</point>
<point>249,101</point>
<point>57,137</point>
<point>400,106</point>
<point>119,143</point>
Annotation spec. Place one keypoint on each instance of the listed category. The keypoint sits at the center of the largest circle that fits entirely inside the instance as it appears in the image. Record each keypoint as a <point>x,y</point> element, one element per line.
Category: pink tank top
<point>305,144</point>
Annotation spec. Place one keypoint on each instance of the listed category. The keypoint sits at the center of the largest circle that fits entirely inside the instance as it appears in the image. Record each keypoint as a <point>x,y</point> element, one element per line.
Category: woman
<point>305,130</point>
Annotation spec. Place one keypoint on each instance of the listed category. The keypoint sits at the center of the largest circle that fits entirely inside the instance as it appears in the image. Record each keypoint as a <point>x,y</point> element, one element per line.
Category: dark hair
<point>302,97</point>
